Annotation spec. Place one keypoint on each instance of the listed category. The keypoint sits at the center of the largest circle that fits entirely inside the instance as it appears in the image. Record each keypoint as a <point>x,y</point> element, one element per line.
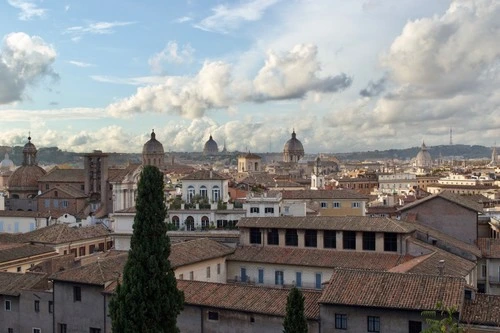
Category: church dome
<point>25,178</point>
<point>423,159</point>
<point>293,150</point>
<point>153,146</point>
<point>6,163</point>
<point>210,146</point>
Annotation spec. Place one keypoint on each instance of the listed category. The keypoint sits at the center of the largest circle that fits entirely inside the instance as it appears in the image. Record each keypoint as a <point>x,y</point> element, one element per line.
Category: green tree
<point>295,318</point>
<point>148,300</point>
<point>443,320</point>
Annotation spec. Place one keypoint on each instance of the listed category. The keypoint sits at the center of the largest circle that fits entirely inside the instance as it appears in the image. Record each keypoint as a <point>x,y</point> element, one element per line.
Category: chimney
<point>211,174</point>
<point>441,267</point>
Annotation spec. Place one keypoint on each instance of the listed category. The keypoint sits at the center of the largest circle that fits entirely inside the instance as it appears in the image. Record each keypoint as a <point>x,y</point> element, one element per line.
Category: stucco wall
<point>200,271</point>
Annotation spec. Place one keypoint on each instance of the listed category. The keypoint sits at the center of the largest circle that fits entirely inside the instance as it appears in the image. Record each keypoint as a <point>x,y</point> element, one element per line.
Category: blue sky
<point>347,75</point>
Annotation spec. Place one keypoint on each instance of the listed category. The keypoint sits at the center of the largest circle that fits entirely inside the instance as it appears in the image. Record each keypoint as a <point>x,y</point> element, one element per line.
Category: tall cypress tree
<point>295,318</point>
<point>148,300</point>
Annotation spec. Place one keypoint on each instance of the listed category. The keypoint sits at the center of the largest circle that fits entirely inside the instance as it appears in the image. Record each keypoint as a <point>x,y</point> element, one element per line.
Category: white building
<point>400,183</point>
<point>266,204</point>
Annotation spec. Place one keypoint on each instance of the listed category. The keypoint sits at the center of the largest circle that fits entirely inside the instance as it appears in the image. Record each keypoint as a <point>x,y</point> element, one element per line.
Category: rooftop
<point>11,284</point>
<point>461,200</point>
<point>323,194</point>
<point>15,251</point>
<point>193,251</point>
<point>62,233</point>
<point>64,175</point>
<point>205,175</point>
<point>484,309</point>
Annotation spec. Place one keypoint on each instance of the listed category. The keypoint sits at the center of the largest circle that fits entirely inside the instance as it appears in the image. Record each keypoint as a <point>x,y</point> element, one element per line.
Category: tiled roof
<point>453,264</point>
<point>269,301</point>
<point>97,273</point>
<point>127,210</point>
<point>197,250</point>
<point>461,200</point>
<point>70,192</point>
<point>249,155</point>
<point>317,258</point>
<point>13,251</point>
<point>323,194</point>
<point>445,238</point>
<point>119,174</point>
<point>484,309</point>
<point>15,213</point>
<point>204,175</point>
<point>64,175</point>
<point>393,290</point>
<point>351,223</point>
<point>11,284</point>
<point>62,233</point>
<point>490,247</point>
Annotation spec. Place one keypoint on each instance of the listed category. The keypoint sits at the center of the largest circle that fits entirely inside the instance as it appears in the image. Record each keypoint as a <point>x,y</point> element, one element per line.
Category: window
<point>8,305</point>
<point>81,251</point>
<point>56,203</point>
<point>77,294</point>
<point>208,272</point>
<point>243,274</point>
<point>356,205</point>
<point>212,315</point>
<point>51,307</point>
<point>218,269</point>
<point>278,278</point>
<point>94,330</point>
<point>190,193</point>
<point>317,280</point>
<point>269,210</point>
<point>483,271</point>
<point>273,237</point>
<point>65,203</point>
<point>336,204</point>
<point>191,275</point>
<point>181,276</point>
<point>215,193</point>
<point>37,306</point>
<point>369,241</point>
<point>47,203</point>
<point>414,326</point>
<point>298,279</point>
<point>18,269</point>
<point>101,247</point>
<point>203,191</point>
<point>391,241</point>
<point>10,330</point>
<point>255,236</point>
<point>349,240</point>
<point>37,330</point>
<point>261,275</point>
<point>373,324</point>
<point>329,239</point>
<point>311,238</point>
<point>323,204</point>
<point>252,319</point>
<point>291,237</point>
<point>254,209</point>
<point>176,221</point>
<point>341,321</point>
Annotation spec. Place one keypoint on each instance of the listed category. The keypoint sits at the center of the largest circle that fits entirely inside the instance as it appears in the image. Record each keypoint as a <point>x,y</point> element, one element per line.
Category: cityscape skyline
<point>347,76</point>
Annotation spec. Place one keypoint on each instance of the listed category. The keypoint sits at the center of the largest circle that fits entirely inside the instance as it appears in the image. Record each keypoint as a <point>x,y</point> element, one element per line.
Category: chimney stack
<point>441,267</point>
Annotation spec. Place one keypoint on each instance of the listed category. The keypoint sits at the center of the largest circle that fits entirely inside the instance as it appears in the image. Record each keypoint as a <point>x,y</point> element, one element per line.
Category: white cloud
<point>183,19</point>
<point>97,28</point>
<point>24,61</point>
<point>28,9</point>
<point>226,18</point>
<point>20,115</point>
<point>133,81</point>
<point>66,8</point>
<point>172,53</point>
<point>80,64</point>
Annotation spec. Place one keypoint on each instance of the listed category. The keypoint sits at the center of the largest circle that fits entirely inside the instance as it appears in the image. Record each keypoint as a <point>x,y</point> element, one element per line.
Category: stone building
<point>293,150</point>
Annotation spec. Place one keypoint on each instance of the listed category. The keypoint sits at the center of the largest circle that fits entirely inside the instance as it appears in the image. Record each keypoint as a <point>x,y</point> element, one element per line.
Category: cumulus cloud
<point>24,61</point>
<point>28,10</point>
<point>374,88</point>
<point>284,76</point>
<point>226,18</point>
<point>172,53</point>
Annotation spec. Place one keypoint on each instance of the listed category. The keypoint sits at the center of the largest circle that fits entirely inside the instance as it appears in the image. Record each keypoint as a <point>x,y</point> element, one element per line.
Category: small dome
<point>211,146</point>
<point>293,150</point>
<point>29,148</point>
<point>7,163</point>
<point>153,146</point>
<point>423,159</point>
<point>25,178</point>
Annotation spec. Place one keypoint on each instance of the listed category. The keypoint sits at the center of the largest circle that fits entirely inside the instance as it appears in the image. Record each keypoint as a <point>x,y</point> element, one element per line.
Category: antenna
<point>451,136</point>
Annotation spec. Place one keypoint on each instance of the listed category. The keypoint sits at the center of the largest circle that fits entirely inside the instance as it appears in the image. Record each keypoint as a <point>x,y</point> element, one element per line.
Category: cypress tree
<point>148,300</point>
<point>295,318</point>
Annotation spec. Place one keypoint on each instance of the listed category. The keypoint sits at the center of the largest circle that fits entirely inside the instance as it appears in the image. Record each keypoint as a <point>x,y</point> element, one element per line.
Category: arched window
<point>190,193</point>
<point>176,221</point>
<point>215,193</point>
<point>189,223</point>
<point>204,222</point>
<point>203,191</point>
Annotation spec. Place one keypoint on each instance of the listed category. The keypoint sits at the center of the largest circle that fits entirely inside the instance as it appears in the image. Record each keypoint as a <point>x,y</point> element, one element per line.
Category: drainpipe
<point>202,324</point>
<point>53,307</point>
<point>104,317</point>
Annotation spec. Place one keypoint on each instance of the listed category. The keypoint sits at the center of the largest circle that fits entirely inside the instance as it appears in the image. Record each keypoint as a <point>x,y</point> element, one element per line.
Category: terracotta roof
<point>461,200</point>
<point>14,251</point>
<point>204,175</point>
<point>393,290</point>
<point>19,213</point>
<point>464,187</point>
<point>11,284</point>
<point>323,194</point>
<point>68,190</point>
<point>119,174</point>
<point>269,301</point>
<point>484,309</point>
<point>317,258</point>
<point>127,210</point>
<point>490,247</point>
<point>351,223</point>
<point>62,233</point>
<point>97,273</point>
<point>64,175</point>
<point>249,155</point>
<point>197,250</point>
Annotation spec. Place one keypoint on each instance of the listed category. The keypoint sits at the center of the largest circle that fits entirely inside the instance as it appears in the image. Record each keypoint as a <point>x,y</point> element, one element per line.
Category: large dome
<point>293,150</point>
<point>25,178</point>
<point>423,159</point>
<point>153,146</point>
<point>210,146</point>
<point>7,164</point>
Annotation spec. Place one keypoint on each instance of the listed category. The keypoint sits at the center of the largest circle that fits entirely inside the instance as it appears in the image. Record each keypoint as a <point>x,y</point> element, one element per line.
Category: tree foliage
<point>295,318</point>
<point>148,300</point>
<point>443,320</point>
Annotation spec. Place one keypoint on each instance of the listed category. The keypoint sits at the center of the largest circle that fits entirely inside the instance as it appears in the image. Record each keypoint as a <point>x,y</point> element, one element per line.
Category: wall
<point>9,319</point>
<point>200,271</point>
<point>30,318</point>
<point>15,224</point>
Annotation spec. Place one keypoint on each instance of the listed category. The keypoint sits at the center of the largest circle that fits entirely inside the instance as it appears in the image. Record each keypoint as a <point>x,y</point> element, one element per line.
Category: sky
<point>347,76</point>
